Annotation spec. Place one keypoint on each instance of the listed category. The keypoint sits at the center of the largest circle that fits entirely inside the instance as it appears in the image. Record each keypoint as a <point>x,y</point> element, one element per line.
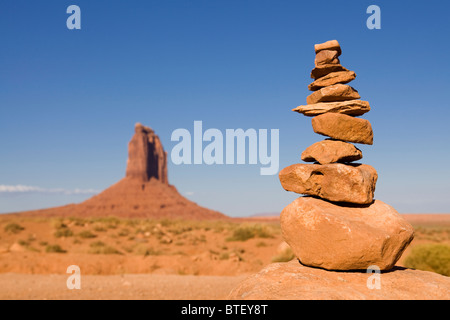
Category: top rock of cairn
<point>329,45</point>
<point>340,227</point>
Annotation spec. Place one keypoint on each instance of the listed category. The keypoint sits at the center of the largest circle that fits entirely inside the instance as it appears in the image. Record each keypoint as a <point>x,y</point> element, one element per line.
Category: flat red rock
<point>323,70</point>
<point>342,127</point>
<point>327,57</point>
<point>352,183</point>
<point>331,151</point>
<point>352,108</point>
<point>336,92</point>
<point>329,45</point>
<point>332,78</point>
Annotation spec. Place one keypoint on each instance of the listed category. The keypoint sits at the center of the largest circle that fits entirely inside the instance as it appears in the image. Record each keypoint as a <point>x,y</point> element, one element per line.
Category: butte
<point>145,191</point>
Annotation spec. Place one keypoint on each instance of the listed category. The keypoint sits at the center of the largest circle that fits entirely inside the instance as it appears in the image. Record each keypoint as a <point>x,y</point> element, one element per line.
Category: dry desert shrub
<point>54,249</point>
<point>23,243</point>
<point>106,222</point>
<point>246,232</point>
<point>58,223</point>
<point>435,234</point>
<point>284,256</point>
<point>26,245</point>
<point>224,256</point>
<point>100,228</point>
<point>99,247</point>
<point>179,226</point>
<point>430,257</point>
<point>61,229</point>
<point>63,232</point>
<point>143,250</point>
<point>13,228</point>
<point>79,222</point>
<point>124,233</point>
<point>86,234</point>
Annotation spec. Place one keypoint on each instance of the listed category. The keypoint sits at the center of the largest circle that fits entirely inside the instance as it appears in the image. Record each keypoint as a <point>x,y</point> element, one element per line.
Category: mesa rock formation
<point>146,156</point>
<point>145,191</point>
<point>342,228</point>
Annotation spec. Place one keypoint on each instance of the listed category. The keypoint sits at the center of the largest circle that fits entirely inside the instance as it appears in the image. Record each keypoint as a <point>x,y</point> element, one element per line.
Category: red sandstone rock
<point>330,151</point>
<point>336,92</point>
<point>327,57</point>
<point>336,237</point>
<point>331,79</point>
<point>353,183</point>
<point>146,156</point>
<point>323,70</point>
<point>293,281</point>
<point>342,127</point>
<point>329,45</point>
<point>352,108</point>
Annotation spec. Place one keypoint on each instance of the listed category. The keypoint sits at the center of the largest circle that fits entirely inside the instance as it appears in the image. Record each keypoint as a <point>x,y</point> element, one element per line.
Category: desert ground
<point>150,259</point>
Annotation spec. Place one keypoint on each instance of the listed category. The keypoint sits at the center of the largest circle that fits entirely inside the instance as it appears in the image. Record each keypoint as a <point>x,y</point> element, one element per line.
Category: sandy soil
<point>112,247</point>
<point>122,287</point>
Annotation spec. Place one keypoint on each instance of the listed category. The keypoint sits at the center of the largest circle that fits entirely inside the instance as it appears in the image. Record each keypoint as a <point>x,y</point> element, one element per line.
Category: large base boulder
<point>293,281</point>
<point>336,237</point>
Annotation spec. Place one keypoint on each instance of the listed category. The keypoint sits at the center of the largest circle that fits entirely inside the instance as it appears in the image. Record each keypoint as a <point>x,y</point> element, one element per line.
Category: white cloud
<point>32,189</point>
<point>189,193</point>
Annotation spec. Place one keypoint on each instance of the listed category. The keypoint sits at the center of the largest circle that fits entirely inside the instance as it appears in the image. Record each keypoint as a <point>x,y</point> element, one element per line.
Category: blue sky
<point>69,99</point>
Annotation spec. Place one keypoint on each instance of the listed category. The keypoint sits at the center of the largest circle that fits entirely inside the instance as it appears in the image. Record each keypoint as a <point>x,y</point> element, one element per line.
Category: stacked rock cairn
<point>338,225</point>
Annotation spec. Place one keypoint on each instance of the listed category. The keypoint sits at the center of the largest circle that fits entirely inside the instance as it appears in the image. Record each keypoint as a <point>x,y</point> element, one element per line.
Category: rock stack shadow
<point>339,225</point>
<point>393,269</point>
